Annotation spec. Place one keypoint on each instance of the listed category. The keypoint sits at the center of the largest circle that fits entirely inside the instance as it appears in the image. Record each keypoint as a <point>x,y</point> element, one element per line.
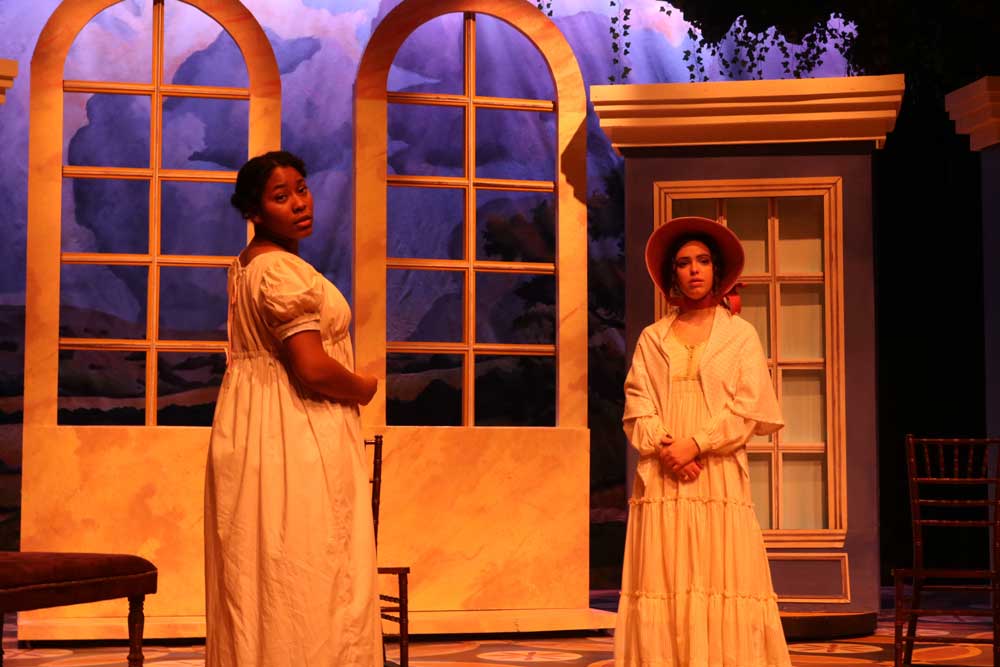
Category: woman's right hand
<point>686,473</point>
<point>690,472</point>
<point>369,385</point>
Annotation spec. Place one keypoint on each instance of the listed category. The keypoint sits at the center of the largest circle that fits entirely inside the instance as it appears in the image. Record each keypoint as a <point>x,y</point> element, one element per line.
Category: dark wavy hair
<point>253,175</point>
<point>718,265</point>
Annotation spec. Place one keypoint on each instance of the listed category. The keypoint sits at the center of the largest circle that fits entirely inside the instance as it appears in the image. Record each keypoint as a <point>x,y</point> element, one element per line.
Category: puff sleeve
<point>291,294</point>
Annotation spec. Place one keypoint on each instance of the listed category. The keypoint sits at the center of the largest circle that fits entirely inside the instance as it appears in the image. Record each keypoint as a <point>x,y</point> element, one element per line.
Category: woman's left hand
<point>678,453</point>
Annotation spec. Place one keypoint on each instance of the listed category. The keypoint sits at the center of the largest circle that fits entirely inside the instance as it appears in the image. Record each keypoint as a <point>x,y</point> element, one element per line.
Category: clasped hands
<point>680,458</point>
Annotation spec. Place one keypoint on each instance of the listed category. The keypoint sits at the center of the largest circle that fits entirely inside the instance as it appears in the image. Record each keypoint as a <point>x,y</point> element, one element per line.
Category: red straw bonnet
<point>663,238</point>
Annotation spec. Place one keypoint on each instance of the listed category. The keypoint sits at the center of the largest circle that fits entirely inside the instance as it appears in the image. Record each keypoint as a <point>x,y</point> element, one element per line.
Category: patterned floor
<point>577,650</point>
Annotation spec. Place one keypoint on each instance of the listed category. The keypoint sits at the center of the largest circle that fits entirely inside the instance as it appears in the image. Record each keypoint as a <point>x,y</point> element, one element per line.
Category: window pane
<point>116,45</point>
<point>748,220</point>
<point>102,301</point>
<point>756,310</point>
<point>106,130</point>
<point>101,387</point>
<point>803,404</point>
<point>508,64</point>
<point>187,387</point>
<point>515,391</point>
<point>515,308</point>
<point>515,226</point>
<point>414,70</point>
<point>426,140</point>
<point>197,219</point>
<point>706,208</point>
<point>803,491</point>
<point>193,303</point>
<point>519,145</point>
<point>205,134</point>
<point>105,215</point>
<point>424,389</point>
<point>425,306</point>
<point>760,487</point>
<point>197,51</point>
<point>800,235</point>
<point>801,322</point>
<point>426,223</point>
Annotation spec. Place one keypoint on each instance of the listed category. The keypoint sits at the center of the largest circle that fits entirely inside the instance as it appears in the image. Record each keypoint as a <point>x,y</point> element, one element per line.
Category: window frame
<point>371,183</point>
<point>46,172</point>
<point>833,364</point>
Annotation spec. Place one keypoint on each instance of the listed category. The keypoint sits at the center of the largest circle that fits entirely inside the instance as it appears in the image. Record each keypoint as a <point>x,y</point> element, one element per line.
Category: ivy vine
<point>742,52</point>
<point>621,24</point>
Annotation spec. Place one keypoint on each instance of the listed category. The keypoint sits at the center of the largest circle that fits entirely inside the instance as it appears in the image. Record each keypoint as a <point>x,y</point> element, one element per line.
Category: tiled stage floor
<point>592,650</point>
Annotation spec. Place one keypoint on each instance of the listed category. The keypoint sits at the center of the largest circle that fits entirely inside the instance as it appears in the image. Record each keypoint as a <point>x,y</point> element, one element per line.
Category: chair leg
<point>136,623</point>
<point>404,622</point>
<point>996,622</point>
<point>898,631</point>
<point>911,629</point>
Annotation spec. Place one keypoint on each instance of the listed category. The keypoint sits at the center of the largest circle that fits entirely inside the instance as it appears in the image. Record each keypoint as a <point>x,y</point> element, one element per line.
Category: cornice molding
<point>861,108</point>
<point>975,108</point>
<point>8,70</point>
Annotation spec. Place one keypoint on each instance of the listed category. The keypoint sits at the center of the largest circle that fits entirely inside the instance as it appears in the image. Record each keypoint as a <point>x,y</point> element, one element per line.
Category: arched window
<point>130,165</point>
<point>134,305</point>
<point>471,221</point>
<point>471,303</point>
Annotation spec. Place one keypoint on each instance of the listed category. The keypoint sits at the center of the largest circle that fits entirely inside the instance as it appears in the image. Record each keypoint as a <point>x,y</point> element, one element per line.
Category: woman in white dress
<point>696,587</point>
<point>289,541</point>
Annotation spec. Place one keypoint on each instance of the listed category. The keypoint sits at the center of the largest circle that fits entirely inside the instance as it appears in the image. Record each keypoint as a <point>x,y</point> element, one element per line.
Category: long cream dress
<point>289,544</point>
<point>696,587</point>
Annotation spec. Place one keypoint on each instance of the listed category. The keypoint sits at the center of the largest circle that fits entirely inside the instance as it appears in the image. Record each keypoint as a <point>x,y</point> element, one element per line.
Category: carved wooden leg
<point>136,621</point>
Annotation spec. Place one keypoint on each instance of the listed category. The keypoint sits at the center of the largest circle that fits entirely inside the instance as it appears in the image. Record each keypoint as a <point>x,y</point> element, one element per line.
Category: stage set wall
<point>852,162</point>
<point>507,538</point>
<point>492,521</point>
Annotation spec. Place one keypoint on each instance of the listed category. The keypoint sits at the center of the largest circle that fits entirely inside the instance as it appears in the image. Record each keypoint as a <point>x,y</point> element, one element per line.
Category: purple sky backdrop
<point>318,45</point>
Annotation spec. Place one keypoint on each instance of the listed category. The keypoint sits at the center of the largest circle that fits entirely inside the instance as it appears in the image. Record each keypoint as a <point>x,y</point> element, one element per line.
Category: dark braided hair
<point>253,175</point>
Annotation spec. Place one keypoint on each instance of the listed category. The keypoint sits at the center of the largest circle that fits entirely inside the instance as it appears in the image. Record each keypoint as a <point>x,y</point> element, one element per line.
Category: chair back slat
<point>953,484</point>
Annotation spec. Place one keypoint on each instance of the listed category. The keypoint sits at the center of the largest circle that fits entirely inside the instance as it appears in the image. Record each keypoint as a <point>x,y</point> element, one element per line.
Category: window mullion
<point>469,393</point>
<point>155,159</point>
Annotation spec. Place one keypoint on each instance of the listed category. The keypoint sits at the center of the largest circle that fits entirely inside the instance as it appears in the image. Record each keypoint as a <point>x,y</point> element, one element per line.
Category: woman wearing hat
<point>696,587</point>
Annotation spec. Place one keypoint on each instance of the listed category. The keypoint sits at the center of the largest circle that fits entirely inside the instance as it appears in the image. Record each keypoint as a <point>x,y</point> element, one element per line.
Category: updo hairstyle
<point>252,178</point>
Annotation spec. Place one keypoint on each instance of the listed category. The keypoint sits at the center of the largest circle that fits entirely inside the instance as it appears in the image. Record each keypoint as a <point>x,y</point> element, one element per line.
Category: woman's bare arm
<point>323,374</point>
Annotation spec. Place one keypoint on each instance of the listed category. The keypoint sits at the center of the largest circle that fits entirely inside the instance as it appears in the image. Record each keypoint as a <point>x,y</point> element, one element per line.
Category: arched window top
<point>401,22</point>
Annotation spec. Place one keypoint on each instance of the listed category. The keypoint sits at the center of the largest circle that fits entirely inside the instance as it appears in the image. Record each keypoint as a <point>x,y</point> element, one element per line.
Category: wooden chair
<point>953,483</point>
<point>34,580</point>
<point>397,608</point>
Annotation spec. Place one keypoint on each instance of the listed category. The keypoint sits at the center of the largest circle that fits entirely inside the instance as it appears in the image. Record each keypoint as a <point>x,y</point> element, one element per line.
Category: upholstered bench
<point>33,580</point>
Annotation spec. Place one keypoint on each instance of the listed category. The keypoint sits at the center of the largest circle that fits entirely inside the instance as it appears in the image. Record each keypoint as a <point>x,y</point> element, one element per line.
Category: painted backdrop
<point>318,44</point>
